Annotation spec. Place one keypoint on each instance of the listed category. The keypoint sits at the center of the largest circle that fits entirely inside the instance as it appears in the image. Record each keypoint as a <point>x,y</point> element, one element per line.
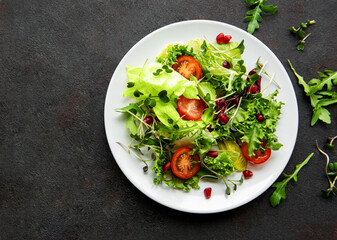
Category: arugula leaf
<point>254,15</point>
<point>327,80</point>
<point>279,192</point>
<point>319,99</point>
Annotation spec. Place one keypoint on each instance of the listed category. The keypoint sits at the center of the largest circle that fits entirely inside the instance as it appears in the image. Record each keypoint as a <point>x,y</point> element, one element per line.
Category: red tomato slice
<point>183,164</point>
<point>259,157</point>
<point>190,109</point>
<point>187,66</point>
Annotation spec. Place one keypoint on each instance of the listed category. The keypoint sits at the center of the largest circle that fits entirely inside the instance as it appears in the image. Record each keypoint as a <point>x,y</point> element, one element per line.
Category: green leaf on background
<point>279,193</point>
<point>254,15</point>
<point>319,99</point>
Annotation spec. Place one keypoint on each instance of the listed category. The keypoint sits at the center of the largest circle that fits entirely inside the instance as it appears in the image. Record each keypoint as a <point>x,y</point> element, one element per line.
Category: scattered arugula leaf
<point>254,15</point>
<point>279,192</point>
<point>301,33</point>
<point>319,99</point>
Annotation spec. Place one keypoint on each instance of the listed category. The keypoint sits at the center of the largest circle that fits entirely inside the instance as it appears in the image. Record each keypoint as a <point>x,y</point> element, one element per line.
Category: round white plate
<point>194,201</point>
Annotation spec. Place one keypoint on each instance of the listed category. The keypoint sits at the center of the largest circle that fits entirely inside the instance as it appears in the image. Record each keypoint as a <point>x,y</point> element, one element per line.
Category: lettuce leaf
<point>223,163</point>
<point>142,81</point>
<point>253,132</point>
<point>211,56</point>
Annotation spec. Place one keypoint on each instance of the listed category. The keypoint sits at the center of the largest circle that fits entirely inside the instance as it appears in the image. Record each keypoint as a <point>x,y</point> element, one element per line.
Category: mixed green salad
<point>200,113</point>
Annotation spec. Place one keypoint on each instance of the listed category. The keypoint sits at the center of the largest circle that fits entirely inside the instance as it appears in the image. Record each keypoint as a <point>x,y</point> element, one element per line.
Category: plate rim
<point>110,142</point>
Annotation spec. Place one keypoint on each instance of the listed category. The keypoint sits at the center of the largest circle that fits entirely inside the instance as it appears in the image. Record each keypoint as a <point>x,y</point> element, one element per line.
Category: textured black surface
<point>58,178</point>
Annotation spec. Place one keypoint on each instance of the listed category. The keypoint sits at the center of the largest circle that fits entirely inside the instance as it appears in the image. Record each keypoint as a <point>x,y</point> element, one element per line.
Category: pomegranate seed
<point>260,117</point>
<point>208,192</point>
<point>227,38</point>
<point>247,174</point>
<point>148,120</point>
<point>212,154</point>
<point>221,104</point>
<point>226,64</point>
<point>236,101</point>
<point>253,88</point>
<point>252,72</point>
<point>167,166</point>
<point>221,38</point>
<point>223,118</point>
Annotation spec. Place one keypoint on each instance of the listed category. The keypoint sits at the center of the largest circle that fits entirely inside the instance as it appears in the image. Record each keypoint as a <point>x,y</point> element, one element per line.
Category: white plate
<point>194,201</point>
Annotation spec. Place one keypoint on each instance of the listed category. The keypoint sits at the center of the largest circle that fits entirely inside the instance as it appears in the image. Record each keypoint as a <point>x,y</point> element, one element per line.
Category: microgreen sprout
<point>301,33</point>
<point>146,167</point>
<point>236,110</point>
<point>163,96</point>
<point>333,168</point>
<point>271,80</point>
<point>261,67</point>
<point>329,145</point>
<point>163,68</point>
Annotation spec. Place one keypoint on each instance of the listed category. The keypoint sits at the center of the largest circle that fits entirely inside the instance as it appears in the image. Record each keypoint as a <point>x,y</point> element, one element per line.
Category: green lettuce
<point>143,83</point>
<point>253,131</point>
<point>223,164</point>
<point>211,56</point>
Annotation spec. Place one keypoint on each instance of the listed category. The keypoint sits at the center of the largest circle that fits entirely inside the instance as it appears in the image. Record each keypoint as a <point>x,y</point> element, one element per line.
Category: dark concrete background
<point>58,178</point>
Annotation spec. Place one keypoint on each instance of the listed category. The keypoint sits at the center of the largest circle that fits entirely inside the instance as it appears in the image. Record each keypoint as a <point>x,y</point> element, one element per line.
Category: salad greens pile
<point>157,87</point>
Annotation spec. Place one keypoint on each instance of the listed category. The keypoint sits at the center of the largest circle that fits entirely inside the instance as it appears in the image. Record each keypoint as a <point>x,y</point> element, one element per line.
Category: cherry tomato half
<point>190,109</point>
<point>187,66</point>
<point>259,157</point>
<point>183,164</point>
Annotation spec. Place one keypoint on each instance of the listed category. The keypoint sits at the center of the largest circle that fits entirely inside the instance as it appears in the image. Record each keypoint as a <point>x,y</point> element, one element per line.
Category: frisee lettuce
<point>223,164</point>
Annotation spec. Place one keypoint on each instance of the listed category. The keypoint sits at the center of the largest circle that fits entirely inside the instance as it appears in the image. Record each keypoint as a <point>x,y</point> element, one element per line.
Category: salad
<point>201,114</point>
